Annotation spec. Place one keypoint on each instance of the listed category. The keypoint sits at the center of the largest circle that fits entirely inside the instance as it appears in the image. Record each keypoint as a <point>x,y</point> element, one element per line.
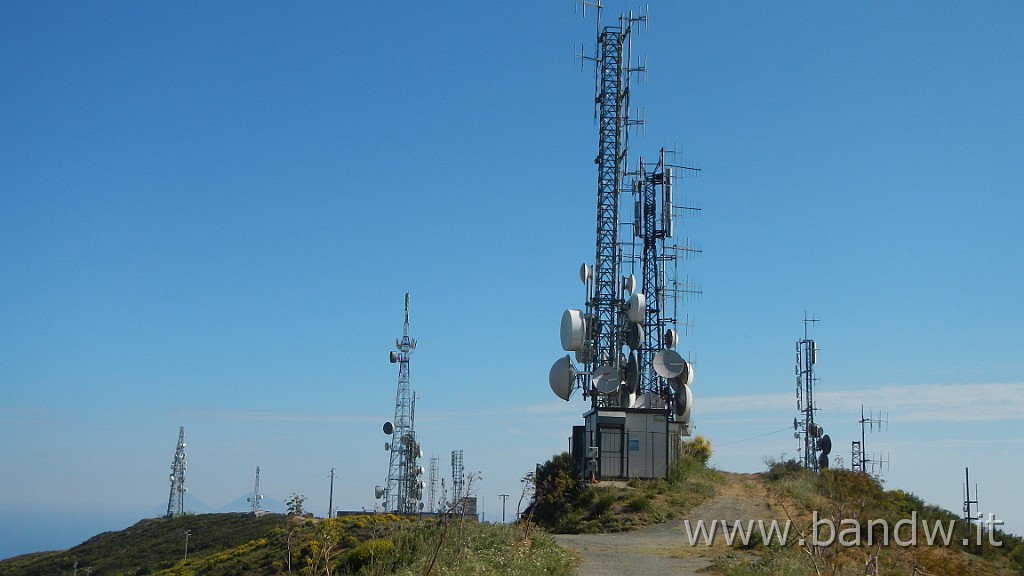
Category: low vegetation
<point>852,500</point>
<point>564,505</point>
<point>242,545</point>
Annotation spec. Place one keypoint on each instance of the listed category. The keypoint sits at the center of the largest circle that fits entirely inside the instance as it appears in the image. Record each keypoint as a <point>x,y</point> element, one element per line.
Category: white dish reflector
<point>561,376</point>
<point>671,338</point>
<point>573,330</point>
<point>668,363</point>
<point>684,378</point>
<point>607,379</point>
<point>684,402</point>
<point>634,336</point>
<point>633,372</point>
<point>637,308</point>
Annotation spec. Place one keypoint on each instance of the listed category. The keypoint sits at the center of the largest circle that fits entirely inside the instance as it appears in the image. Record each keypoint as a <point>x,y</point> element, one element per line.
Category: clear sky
<point>210,213</point>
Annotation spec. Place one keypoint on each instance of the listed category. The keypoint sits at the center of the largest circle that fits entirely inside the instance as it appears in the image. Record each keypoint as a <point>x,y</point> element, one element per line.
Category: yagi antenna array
<point>859,461</point>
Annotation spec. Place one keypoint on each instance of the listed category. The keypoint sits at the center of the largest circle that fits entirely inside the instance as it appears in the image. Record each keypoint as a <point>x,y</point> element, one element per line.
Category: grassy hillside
<point>242,544</point>
<point>786,492</point>
<point>865,517</point>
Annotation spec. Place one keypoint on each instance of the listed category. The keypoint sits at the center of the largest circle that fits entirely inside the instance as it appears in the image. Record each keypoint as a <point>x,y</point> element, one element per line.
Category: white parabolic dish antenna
<point>684,378</point>
<point>634,336</point>
<point>572,331</point>
<point>561,376</point>
<point>668,363</point>
<point>633,372</point>
<point>684,402</point>
<point>637,308</point>
<point>671,338</point>
<point>607,379</point>
<point>584,273</point>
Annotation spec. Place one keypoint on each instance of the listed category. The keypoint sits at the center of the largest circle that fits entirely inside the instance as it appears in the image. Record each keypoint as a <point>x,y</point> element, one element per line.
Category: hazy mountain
<point>242,504</point>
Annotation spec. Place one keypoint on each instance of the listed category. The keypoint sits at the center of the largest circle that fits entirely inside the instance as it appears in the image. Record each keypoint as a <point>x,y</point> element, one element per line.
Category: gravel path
<point>651,551</point>
<point>664,549</point>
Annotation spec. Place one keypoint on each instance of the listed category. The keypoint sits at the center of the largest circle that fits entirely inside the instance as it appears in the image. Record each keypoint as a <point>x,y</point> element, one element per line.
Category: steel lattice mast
<point>654,222</point>
<point>652,273</point>
<point>604,305</point>
<point>403,490</point>
<point>176,501</point>
<point>806,357</point>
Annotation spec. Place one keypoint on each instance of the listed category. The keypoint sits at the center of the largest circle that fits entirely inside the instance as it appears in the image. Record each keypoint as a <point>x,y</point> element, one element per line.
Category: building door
<point>611,459</point>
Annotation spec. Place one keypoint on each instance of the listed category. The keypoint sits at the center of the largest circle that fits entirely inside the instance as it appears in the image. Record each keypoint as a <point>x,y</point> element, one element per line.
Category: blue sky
<point>209,215</point>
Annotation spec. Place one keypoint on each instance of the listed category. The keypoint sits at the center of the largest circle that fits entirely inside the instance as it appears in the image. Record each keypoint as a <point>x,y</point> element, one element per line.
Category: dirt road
<point>664,549</point>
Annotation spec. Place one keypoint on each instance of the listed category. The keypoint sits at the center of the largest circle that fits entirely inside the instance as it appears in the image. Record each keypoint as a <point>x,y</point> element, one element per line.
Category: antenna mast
<point>404,489</point>
<point>971,513</point>
<point>859,460</point>
<point>432,493</point>
<point>816,446</point>
<point>630,370</point>
<point>458,480</point>
<point>653,225</point>
<point>602,343</point>
<point>176,501</point>
<point>256,498</point>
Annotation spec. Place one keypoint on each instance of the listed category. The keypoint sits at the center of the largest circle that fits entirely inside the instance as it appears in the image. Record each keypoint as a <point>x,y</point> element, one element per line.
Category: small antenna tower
<point>458,479</point>
<point>971,513</point>
<point>654,216</point>
<point>176,501</point>
<point>256,498</point>
<point>432,493</point>
<point>859,461</point>
<point>404,488</point>
<point>330,498</point>
<point>816,445</point>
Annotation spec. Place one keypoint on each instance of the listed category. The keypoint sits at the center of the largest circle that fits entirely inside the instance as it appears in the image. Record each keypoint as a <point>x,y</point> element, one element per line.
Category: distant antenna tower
<point>971,513</point>
<point>816,445</point>
<point>404,488</point>
<point>432,493</point>
<point>176,502</point>
<point>859,461</point>
<point>256,498</point>
<point>458,478</point>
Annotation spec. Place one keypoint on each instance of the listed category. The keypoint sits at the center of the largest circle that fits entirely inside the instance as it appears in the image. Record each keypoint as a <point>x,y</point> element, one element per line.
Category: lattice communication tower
<point>404,488</point>
<point>624,336</point>
<point>816,445</point>
<point>458,478</point>
<point>432,485</point>
<point>176,501</point>
<point>654,216</point>
<point>605,303</point>
<point>256,499</point>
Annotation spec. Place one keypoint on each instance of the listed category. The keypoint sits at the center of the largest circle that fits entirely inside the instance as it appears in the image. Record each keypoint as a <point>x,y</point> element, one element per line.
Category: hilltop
<point>654,526</point>
<point>639,526</point>
<point>244,544</point>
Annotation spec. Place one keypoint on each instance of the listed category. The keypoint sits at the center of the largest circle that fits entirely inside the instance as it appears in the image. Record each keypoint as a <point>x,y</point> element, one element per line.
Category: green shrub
<point>377,551</point>
<point>699,449</point>
<point>639,503</point>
